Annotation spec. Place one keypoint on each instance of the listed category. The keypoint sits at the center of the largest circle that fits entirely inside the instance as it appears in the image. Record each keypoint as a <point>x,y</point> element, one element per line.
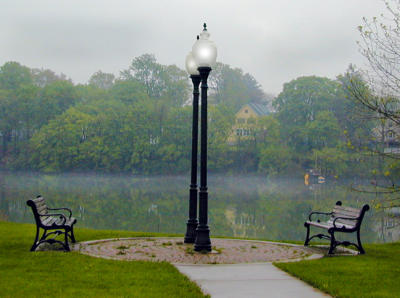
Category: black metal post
<point>202,242</point>
<point>192,222</point>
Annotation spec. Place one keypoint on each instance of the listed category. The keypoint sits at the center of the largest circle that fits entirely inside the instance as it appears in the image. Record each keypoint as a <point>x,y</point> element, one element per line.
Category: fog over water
<point>248,206</point>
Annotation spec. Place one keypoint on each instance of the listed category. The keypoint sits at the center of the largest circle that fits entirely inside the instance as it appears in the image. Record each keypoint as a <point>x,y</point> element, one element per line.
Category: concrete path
<point>247,281</point>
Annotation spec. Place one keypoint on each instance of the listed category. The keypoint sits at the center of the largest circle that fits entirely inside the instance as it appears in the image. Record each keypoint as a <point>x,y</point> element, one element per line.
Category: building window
<point>154,140</point>
<point>391,134</point>
<point>246,132</point>
<point>251,121</point>
<point>239,132</point>
<point>246,111</point>
<point>241,120</point>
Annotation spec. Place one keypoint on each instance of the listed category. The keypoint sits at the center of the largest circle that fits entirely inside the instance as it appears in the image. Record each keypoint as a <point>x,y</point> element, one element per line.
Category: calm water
<point>251,206</point>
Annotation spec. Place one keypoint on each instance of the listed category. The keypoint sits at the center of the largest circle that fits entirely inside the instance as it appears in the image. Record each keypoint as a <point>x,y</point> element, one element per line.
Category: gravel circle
<point>173,250</point>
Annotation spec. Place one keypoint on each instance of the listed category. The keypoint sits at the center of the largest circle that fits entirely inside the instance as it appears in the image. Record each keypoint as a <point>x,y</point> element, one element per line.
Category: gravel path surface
<point>173,250</point>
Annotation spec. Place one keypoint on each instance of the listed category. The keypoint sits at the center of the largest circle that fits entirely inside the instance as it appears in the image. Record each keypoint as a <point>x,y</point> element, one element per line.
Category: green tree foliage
<point>219,129</point>
<point>298,104</point>
<point>55,98</point>
<point>275,159</point>
<point>13,75</point>
<point>102,80</point>
<point>317,119</point>
<point>43,77</point>
<point>233,88</point>
<point>110,136</point>
<point>141,122</point>
<point>128,92</point>
<point>168,83</point>
<point>324,131</point>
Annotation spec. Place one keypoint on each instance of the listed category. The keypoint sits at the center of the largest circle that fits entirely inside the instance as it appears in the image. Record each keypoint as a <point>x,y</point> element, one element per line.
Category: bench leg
<point>360,248</point>
<point>333,243</point>
<point>43,236</point>
<point>66,246</point>
<point>72,235</point>
<point>36,240</point>
<point>308,235</point>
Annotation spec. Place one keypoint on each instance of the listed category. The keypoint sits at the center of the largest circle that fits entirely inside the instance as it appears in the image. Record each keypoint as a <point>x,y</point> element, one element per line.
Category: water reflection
<point>250,206</point>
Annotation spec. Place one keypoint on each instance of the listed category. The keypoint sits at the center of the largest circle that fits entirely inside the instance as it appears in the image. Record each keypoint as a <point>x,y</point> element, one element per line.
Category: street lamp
<point>204,54</point>
<point>191,68</point>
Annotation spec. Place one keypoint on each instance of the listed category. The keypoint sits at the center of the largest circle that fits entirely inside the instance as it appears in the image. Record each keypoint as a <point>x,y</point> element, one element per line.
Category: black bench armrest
<point>56,214</point>
<point>346,218</point>
<point>63,208</point>
<point>318,212</point>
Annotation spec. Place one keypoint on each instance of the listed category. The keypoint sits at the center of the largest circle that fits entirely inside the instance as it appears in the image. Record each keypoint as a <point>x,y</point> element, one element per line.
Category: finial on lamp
<point>204,27</point>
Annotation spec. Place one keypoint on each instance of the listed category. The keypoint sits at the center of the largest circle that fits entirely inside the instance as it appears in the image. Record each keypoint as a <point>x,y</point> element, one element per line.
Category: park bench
<point>342,219</point>
<point>58,222</point>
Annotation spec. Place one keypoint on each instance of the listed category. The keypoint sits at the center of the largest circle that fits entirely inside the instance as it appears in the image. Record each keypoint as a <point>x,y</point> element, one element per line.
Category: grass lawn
<point>375,274</point>
<point>60,274</point>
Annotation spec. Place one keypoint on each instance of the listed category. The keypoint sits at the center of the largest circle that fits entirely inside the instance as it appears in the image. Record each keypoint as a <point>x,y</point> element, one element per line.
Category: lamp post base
<point>203,242</point>
<point>191,227</point>
<point>192,222</point>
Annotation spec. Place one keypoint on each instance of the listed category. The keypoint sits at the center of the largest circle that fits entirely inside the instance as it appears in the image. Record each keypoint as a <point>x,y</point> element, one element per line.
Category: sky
<point>276,41</point>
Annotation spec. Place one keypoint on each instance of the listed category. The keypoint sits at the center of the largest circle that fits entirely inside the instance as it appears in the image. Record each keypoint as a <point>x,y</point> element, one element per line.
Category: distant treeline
<point>141,121</point>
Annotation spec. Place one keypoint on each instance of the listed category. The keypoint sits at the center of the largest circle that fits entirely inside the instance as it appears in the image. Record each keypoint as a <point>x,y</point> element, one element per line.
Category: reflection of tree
<point>245,206</point>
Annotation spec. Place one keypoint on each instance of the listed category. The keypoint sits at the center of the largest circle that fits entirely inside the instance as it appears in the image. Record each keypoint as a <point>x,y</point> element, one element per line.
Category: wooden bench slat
<point>335,215</point>
<point>347,209</point>
<point>324,225</point>
<point>40,204</point>
<point>345,213</point>
<point>39,200</point>
<point>42,210</point>
<point>344,208</point>
<point>350,208</point>
<point>349,224</point>
<point>49,221</point>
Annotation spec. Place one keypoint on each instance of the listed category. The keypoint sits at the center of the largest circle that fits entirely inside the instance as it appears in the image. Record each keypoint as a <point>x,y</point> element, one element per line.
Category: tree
<point>43,77</point>
<point>128,91</point>
<point>13,75</point>
<point>147,71</point>
<point>299,103</point>
<point>378,87</point>
<point>275,158</point>
<point>18,106</point>
<point>380,46</point>
<point>233,88</point>
<point>220,126</point>
<point>102,80</point>
<point>55,98</point>
<point>324,131</point>
<point>161,82</point>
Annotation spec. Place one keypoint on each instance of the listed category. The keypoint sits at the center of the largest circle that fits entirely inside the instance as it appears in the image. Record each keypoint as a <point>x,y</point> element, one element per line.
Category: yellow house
<point>245,121</point>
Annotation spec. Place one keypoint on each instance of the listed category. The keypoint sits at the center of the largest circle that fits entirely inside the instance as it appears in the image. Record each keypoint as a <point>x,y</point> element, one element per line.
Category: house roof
<point>259,109</point>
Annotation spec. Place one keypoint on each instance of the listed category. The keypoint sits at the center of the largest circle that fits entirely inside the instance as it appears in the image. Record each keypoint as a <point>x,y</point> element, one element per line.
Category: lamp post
<point>204,54</point>
<point>191,68</point>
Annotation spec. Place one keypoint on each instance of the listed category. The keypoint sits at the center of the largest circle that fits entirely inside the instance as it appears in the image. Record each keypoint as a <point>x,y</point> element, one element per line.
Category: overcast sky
<point>274,40</point>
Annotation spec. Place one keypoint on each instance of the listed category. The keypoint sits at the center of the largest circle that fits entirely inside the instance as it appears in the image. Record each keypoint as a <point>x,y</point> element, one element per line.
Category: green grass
<point>375,274</point>
<point>60,274</point>
<point>56,273</point>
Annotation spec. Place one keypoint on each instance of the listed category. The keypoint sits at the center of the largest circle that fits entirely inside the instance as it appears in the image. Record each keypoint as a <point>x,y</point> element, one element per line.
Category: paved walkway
<point>247,281</point>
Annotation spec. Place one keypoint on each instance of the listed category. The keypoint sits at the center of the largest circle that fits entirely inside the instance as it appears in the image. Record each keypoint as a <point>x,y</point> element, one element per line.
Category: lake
<point>249,206</point>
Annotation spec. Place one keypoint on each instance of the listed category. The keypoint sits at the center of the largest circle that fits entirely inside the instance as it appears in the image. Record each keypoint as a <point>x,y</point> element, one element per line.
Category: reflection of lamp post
<point>205,54</point>
<point>192,222</point>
